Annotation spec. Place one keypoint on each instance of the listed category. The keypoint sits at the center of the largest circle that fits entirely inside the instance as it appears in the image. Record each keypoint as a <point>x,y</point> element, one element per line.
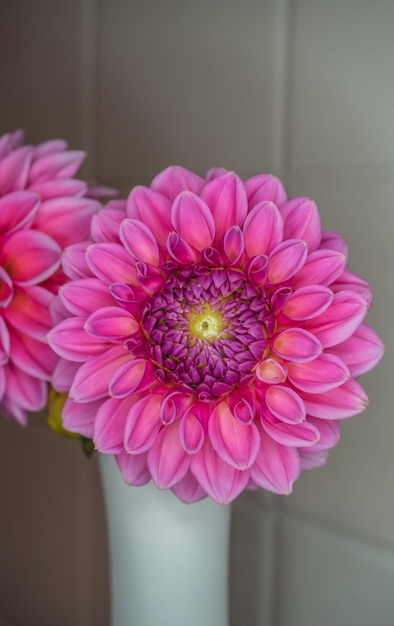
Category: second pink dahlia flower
<point>43,209</point>
<point>212,335</point>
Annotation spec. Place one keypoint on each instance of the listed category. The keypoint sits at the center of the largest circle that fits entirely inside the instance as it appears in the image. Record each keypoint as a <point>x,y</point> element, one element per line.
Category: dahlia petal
<point>233,245</point>
<point>302,221</point>
<point>143,424</point>
<point>258,269</point>
<point>14,169</point>
<point>334,241</point>
<point>263,229</point>
<point>111,323</point>
<point>180,250</point>
<point>292,435</point>
<point>276,467</point>
<point>10,407</point>
<point>321,267</point>
<point>226,197</point>
<point>308,302</point>
<point>311,459</point>
<point>132,377</point>
<point>10,141</point>
<point>106,223</point>
<point>85,295</point>
<point>167,460</point>
<point>212,256</point>
<point>153,209</point>
<point>70,340</point>
<point>214,172</point>
<point>192,219</point>
<point>74,261</point>
<point>59,187</point>
<point>2,383</point>
<point>347,400</point>
<point>29,312</point>
<point>4,342</point>
<point>134,468</point>
<point>80,418</point>
<point>296,344</point>
<point>340,320</point>
<point>32,356</point>
<point>175,179</point>
<point>63,375</point>
<point>236,443</point>
<point>285,404</point>
<point>139,241</point>
<point>191,433</point>
<point>66,220</point>
<point>30,256</point>
<point>47,147</point>
<point>271,372</point>
<point>53,164</point>
<point>17,210</point>
<point>242,405</point>
<point>361,352</point>
<point>265,188</point>
<point>30,392</point>
<point>109,424</point>
<point>286,260</point>
<point>222,482</point>
<point>92,379</point>
<point>188,490</point>
<point>324,373</point>
<point>349,281</point>
<point>131,298</point>
<point>111,263</point>
<point>6,289</point>
<point>329,433</point>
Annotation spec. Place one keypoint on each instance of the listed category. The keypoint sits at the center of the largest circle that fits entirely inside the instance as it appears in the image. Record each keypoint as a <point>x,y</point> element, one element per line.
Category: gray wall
<point>300,88</point>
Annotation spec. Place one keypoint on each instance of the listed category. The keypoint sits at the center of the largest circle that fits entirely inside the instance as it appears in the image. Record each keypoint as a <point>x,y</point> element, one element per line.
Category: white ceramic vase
<point>168,560</point>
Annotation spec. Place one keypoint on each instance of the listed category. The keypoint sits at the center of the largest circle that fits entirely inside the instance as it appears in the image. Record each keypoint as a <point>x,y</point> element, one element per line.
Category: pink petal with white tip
<point>188,490</point>
<point>139,241</point>
<point>286,260</point>
<point>84,296</point>
<point>132,377</point>
<point>321,267</point>
<point>111,323</point>
<point>74,261</point>
<point>361,352</point>
<point>63,375</point>
<point>233,245</point>
<point>17,210</point>
<point>302,221</point>
<point>296,344</point>
<point>347,400</point>
<point>285,404</point>
<point>323,374</point>
<point>276,467</point>
<point>152,208</point>
<point>214,172</point>
<point>109,424</point>
<point>134,468</point>
<point>55,164</point>
<point>222,482</point>
<point>167,460</point>
<point>334,241</point>
<point>111,263</point>
<point>329,433</point>
<point>191,433</point>
<point>236,443</point>
<point>180,250</point>
<point>171,181</point>
<point>226,197</point>
<point>30,257</point>
<point>263,229</point>
<point>263,188</point>
<point>340,320</point>
<point>106,223</point>
<point>143,424</point>
<point>293,435</point>
<point>173,406</point>
<point>308,302</point>
<point>192,219</point>
<point>70,340</point>
<point>348,280</point>
<point>92,379</point>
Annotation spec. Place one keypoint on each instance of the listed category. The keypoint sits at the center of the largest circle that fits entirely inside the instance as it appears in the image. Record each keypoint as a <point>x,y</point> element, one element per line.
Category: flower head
<point>43,209</point>
<point>211,334</point>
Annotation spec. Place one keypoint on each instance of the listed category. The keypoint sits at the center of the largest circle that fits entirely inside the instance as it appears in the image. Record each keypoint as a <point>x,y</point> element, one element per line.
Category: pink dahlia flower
<point>43,208</point>
<point>212,334</point>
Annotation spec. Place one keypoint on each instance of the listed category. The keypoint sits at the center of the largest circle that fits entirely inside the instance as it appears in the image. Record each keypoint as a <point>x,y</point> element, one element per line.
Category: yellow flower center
<point>206,325</point>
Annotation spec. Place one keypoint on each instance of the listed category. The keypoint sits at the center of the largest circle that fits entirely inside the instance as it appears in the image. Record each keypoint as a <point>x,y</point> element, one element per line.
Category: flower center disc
<point>205,330</point>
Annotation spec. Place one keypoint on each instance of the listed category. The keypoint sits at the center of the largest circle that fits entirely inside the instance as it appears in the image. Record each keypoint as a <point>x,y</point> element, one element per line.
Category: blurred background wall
<point>300,88</point>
